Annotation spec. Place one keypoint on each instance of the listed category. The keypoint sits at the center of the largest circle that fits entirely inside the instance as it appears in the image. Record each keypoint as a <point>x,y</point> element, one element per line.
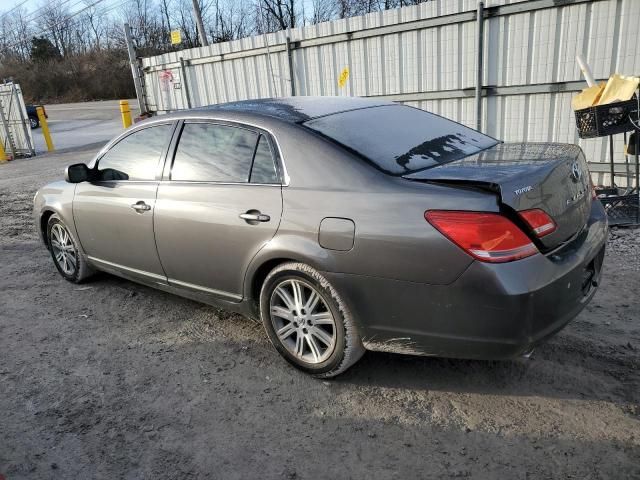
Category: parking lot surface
<point>111,379</point>
<point>76,125</point>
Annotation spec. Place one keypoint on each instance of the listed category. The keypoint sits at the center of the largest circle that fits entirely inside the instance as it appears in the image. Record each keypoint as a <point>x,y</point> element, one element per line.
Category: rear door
<point>217,206</point>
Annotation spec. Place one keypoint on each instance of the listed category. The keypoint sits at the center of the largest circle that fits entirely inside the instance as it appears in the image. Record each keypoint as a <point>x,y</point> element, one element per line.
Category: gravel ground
<point>115,380</point>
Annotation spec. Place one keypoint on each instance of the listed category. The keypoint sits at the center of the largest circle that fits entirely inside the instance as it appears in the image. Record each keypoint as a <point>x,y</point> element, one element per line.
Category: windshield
<point>399,139</point>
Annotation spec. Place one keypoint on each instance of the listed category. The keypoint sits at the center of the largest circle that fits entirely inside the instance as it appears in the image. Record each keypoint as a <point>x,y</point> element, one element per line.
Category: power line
<point>37,13</point>
<point>67,18</point>
<point>32,17</point>
<point>13,9</point>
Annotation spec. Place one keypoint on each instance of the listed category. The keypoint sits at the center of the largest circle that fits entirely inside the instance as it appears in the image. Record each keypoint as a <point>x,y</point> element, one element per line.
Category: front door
<point>220,204</point>
<point>114,213</point>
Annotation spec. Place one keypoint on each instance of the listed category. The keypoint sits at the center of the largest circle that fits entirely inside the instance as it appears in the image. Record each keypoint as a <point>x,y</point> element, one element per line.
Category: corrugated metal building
<point>426,56</point>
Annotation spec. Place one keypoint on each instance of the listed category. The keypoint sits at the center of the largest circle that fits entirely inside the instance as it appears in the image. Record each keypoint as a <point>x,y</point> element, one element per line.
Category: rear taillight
<point>541,223</point>
<point>489,237</point>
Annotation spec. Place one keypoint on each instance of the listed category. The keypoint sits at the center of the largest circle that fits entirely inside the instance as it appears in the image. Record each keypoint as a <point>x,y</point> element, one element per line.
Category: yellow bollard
<point>3,154</point>
<point>126,113</point>
<point>45,129</point>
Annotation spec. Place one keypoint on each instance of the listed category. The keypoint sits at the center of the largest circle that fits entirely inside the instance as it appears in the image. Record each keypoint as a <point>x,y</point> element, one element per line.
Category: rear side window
<point>264,168</point>
<point>136,156</point>
<point>213,153</point>
<point>400,139</point>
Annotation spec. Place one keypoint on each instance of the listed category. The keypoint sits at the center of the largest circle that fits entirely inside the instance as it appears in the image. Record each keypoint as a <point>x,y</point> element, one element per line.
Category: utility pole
<point>198,18</point>
<point>135,71</point>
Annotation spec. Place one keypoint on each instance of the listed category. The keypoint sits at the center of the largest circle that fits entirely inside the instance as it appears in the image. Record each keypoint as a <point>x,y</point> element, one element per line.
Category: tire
<point>322,341</point>
<point>67,257</point>
<point>34,122</point>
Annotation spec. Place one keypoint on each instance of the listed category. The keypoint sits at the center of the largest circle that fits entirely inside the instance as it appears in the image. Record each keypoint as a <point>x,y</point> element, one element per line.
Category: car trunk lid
<point>550,176</point>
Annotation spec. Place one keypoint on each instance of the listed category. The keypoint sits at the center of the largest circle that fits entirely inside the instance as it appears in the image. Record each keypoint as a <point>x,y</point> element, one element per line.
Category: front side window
<point>136,156</point>
<point>214,153</point>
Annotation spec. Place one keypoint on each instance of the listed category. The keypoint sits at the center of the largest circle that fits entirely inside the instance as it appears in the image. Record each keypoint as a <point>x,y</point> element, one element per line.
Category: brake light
<point>489,237</point>
<point>541,223</point>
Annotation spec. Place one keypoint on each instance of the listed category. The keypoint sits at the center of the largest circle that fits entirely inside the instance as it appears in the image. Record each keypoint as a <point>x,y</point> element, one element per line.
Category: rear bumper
<point>491,311</point>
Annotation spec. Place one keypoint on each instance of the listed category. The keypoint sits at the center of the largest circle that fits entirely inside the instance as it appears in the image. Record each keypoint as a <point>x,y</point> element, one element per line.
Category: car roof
<point>289,109</point>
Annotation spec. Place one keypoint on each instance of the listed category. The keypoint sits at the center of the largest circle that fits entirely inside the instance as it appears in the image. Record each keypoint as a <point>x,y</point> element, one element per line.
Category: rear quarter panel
<point>392,238</point>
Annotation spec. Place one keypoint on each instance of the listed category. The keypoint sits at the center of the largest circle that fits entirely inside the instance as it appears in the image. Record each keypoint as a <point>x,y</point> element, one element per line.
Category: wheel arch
<point>260,272</point>
<point>54,199</point>
<point>44,220</point>
<point>282,249</point>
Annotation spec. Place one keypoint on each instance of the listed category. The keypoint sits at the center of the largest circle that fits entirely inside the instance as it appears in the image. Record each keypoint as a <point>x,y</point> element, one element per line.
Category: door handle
<point>141,207</point>
<point>254,216</point>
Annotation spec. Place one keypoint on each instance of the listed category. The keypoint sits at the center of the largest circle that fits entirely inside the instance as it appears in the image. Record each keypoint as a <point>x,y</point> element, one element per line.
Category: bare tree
<point>164,13</point>
<point>280,12</point>
<point>185,22</point>
<point>144,17</point>
<point>95,23</point>
<point>231,21</point>
<point>55,21</point>
<point>323,10</point>
<point>15,34</point>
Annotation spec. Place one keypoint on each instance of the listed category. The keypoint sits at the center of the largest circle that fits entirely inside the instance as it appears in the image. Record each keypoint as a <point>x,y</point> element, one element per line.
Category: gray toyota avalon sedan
<point>343,224</point>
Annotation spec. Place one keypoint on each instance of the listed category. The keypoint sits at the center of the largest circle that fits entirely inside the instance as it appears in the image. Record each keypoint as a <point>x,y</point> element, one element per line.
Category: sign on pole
<point>176,37</point>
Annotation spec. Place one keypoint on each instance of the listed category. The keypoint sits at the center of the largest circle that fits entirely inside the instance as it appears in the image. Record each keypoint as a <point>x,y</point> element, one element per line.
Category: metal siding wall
<point>526,48</point>
<point>17,138</point>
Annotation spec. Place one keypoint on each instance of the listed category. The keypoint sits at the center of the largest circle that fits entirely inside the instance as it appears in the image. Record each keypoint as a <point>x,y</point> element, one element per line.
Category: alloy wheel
<point>64,252</point>
<point>302,321</point>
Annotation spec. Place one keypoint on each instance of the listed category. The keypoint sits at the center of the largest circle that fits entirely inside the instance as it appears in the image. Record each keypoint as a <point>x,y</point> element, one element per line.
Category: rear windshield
<point>399,139</point>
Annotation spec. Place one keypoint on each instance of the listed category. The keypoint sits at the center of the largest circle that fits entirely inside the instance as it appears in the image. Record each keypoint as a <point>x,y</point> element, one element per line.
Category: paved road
<point>75,125</point>
<point>115,380</point>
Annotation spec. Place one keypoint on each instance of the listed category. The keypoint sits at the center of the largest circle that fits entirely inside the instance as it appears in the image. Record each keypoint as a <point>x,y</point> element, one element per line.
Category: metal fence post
<point>7,131</point>
<point>183,74</point>
<point>291,73</point>
<point>480,68</point>
<point>137,82</point>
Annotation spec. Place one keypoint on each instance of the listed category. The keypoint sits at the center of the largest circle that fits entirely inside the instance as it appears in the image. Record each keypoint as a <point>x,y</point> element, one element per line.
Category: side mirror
<point>76,173</point>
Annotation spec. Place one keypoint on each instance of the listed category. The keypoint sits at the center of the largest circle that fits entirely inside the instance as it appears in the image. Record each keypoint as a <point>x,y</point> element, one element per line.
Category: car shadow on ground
<point>565,368</point>
<point>554,370</point>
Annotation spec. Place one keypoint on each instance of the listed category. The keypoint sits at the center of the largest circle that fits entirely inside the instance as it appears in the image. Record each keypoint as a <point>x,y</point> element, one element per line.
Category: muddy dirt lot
<point>114,380</point>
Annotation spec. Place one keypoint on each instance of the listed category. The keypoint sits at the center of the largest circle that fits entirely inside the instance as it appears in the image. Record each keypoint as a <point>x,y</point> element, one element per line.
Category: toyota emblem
<point>576,172</point>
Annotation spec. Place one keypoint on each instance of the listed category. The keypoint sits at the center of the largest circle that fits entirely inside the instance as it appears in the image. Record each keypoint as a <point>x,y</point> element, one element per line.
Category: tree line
<point>75,50</point>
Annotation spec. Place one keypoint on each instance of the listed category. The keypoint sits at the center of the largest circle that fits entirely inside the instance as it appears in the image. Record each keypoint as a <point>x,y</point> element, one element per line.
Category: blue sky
<point>31,5</point>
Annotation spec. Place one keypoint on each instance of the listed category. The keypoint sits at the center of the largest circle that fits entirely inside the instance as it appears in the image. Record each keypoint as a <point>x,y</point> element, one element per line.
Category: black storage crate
<point>622,209</point>
<point>606,119</point>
